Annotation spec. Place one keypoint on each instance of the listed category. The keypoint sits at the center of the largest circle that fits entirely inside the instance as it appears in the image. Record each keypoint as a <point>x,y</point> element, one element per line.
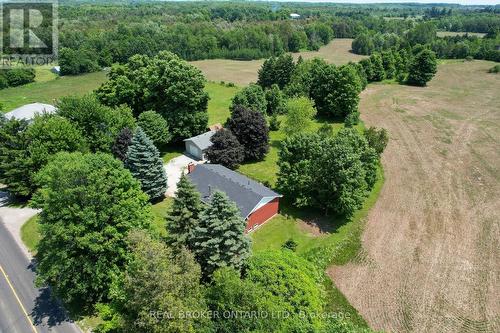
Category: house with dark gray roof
<point>256,202</point>
<point>197,145</point>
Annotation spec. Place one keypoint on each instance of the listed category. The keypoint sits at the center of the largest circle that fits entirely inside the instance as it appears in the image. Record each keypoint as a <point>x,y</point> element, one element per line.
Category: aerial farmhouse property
<point>257,203</point>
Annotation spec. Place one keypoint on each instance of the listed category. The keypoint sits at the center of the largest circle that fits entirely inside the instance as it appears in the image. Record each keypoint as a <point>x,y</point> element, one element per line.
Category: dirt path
<point>431,247</point>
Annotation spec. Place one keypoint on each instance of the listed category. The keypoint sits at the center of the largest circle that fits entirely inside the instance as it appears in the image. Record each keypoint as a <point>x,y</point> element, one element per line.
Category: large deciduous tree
<point>331,173</point>
<point>422,68</point>
<point>377,67</point>
<point>251,97</point>
<point>275,101</point>
<point>14,166</point>
<point>99,124</point>
<point>183,218</point>
<point>26,149</point>
<point>294,284</point>
<point>225,150</point>
<point>220,239</point>
<point>159,289</point>
<point>335,90</point>
<point>165,84</point>
<point>300,112</point>
<point>89,203</point>
<point>251,129</point>
<point>144,162</point>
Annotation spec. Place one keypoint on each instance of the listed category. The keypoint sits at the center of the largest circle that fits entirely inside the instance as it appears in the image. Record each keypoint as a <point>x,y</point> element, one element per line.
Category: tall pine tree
<point>220,239</point>
<point>183,218</point>
<point>144,162</point>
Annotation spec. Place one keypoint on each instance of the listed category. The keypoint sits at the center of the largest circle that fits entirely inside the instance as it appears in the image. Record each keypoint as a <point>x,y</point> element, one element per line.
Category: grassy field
<point>430,247</point>
<point>452,34</point>
<point>243,72</point>
<point>49,88</point>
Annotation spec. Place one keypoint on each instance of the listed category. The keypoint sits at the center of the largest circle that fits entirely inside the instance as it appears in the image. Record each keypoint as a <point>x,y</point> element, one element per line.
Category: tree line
<point>424,34</point>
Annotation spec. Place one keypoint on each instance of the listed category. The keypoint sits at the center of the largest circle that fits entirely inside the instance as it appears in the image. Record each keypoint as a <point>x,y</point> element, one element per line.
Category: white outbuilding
<point>197,145</point>
<point>29,111</point>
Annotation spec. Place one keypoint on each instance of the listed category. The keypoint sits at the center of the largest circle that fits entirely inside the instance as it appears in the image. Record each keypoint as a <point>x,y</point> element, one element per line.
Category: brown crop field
<point>430,258</point>
<point>245,72</point>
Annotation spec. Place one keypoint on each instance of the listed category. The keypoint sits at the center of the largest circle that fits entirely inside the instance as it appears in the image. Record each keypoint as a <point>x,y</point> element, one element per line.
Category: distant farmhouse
<point>294,16</point>
<point>29,111</point>
<point>257,203</point>
<point>56,70</point>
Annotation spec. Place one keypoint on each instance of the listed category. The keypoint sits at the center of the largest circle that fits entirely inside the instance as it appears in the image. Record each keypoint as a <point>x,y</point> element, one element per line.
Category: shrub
<point>494,69</point>
<point>155,127</point>
<point>225,150</point>
<point>19,76</point>
<point>274,123</point>
<point>377,138</point>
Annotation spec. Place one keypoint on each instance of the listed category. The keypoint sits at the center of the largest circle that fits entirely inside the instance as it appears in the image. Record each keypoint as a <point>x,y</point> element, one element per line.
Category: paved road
<point>24,308</point>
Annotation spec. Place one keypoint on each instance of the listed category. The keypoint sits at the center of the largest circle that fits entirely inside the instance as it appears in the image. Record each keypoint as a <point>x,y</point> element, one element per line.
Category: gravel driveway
<point>13,218</point>
<point>174,170</point>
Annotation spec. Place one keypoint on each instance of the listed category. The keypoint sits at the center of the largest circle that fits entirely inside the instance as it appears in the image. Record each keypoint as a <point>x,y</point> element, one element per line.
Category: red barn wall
<point>263,214</point>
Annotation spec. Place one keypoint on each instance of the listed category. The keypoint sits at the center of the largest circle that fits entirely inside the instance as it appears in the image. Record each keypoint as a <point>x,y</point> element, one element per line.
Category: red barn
<point>257,203</point>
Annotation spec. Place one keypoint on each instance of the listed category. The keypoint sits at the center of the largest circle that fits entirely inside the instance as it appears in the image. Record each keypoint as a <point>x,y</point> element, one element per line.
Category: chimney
<point>209,191</point>
<point>191,167</point>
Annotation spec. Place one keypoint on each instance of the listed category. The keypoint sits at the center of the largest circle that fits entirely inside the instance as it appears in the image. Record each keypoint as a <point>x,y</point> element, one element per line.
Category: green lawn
<point>49,88</point>
<point>218,112</point>
<point>160,211</point>
<point>338,243</point>
<point>30,234</point>
<point>220,100</point>
<point>265,171</point>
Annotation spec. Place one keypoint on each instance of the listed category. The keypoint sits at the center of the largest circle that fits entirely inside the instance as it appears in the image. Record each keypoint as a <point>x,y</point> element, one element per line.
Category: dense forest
<point>97,35</point>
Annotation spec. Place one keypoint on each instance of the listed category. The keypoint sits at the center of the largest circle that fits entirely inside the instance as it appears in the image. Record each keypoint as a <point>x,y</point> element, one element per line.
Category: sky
<point>461,2</point>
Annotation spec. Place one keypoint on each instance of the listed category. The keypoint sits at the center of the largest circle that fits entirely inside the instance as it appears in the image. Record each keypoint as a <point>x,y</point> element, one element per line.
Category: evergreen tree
<point>220,239</point>
<point>184,214</point>
<point>123,140</point>
<point>14,157</point>
<point>144,162</point>
<point>266,73</point>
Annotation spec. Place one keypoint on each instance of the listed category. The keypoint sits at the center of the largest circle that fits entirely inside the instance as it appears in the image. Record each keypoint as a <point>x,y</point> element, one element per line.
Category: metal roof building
<point>196,145</point>
<point>29,111</point>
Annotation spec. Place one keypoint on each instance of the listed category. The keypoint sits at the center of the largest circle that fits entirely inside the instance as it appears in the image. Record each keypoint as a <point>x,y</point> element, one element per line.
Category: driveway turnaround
<point>174,169</point>
<point>23,307</point>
